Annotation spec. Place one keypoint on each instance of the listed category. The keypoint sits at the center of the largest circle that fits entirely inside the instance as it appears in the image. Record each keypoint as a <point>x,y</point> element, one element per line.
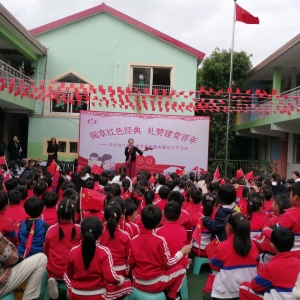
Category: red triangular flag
<point>179,172</point>
<point>52,167</point>
<point>29,240</point>
<point>249,175</point>
<point>239,173</point>
<point>2,160</point>
<point>245,17</point>
<point>91,200</point>
<point>211,248</point>
<point>217,173</point>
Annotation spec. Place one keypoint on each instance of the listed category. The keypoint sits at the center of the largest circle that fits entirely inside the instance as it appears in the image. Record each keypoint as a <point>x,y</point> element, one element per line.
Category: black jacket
<point>28,173</point>
<point>217,226</point>
<point>133,153</point>
<point>13,150</point>
<point>280,190</point>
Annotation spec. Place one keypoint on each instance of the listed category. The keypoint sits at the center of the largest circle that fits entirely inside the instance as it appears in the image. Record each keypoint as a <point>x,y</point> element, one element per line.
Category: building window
<point>61,106</point>
<point>67,147</point>
<point>297,148</point>
<point>151,80</point>
<point>62,147</point>
<point>73,147</point>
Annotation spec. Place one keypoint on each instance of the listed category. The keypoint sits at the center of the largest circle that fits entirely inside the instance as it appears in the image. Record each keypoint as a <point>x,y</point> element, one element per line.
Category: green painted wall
<point>100,49</point>
<point>25,103</point>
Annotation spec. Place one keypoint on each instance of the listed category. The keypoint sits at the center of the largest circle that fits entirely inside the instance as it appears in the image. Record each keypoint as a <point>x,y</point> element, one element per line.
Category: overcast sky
<point>202,24</point>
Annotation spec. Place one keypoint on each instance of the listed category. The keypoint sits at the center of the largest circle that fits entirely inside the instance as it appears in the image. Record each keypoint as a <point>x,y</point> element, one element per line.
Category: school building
<point>275,136</point>
<point>97,46</point>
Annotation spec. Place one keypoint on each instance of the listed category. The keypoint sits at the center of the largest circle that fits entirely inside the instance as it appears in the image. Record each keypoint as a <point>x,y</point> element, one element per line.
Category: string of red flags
<point>152,99</point>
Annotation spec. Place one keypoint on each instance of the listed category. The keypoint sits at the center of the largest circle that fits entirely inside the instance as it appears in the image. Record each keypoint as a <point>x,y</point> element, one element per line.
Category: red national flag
<point>179,172</point>
<point>217,173</point>
<point>222,180</point>
<point>96,169</point>
<point>244,16</point>
<point>29,240</point>
<point>91,200</point>
<point>79,168</point>
<point>52,167</point>
<point>249,175</point>
<point>152,179</point>
<point>196,170</point>
<point>211,248</point>
<point>197,232</point>
<point>2,160</point>
<point>126,195</point>
<point>239,173</point>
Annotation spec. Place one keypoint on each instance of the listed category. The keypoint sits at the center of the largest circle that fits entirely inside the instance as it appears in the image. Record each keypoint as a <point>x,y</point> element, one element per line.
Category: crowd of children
<point>104,234</point>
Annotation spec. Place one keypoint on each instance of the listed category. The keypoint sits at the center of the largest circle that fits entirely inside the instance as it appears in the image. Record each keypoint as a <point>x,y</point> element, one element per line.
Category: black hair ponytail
<point>91,229</point>
<point>112,215</point>
<point>208,202</point>
<point>149,197</point>
<point>255,202</point>
<point>241,228</point>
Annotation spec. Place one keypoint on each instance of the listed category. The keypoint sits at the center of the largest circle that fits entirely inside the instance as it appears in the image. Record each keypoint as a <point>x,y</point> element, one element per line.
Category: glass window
<point>297,148</point>
<point>73,147</point>
<point>62,146</point>
<point>59,106</point>
<point>141,76</point>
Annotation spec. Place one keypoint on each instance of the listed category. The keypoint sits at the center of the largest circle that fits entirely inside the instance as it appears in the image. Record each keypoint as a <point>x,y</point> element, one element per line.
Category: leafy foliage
<point>215,73</point>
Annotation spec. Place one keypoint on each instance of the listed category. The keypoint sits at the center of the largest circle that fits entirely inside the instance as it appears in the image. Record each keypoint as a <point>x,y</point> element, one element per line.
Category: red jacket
<point>257,222</point>
<point>132,228</point>
<point>119,247</point>
<point>149,256</point>
<point>99,274</point>
<point>194,212</point>
<point>161,203</point>
<point>243,206</point>
<point>98,214</point>
<point>17,214</point>
<point>184,220</point>
<point>7,228</point>
<point>58,250</point>
<point>176,241</point>
<point>50,215</point>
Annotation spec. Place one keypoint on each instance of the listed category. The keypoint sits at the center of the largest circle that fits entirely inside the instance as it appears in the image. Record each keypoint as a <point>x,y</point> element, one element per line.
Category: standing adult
<point>52,151</point>
<point>130,153</point>
<point>2,146</point>
<point>14,149</point>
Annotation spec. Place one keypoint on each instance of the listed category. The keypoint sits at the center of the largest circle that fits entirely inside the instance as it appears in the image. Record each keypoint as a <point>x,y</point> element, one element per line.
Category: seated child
<point>115,239</point>
<point>163,193</point>
<point>290,219</point>
<point>50,212</point>
<point>280,205</point>
<point>235,259</point>
<point>195,205</point>
<point>150,258</point>
<point>33,226</point>
<point>15,211</point>
<point>175,242</point>
<point>125,191</point>
<point>277,278</point>
<point>39,188</point>
<point>209,209</point>
<point>24,193</point>
<point>89,268</point>
<point>256,215</point>
<point>131,217</point>
<point>60,239</point>
<point>7,226</point>
<point>148,198</point>
<point>269,200</point>
<point>227,196</point>
<point>243,203</point>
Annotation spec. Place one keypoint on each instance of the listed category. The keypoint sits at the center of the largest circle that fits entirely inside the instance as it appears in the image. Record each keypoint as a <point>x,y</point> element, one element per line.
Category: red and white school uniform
<point>243,206</point>
<point>119,248</point>
<point>290,219</point>
<point>257,223</point>
<point>99,214</point>
<point>17,214</point>
<point>57,250</point>
<point>50,215</point>
<point>194,211</point>
<point>132,228</point>
<point>276,279</point>
<point>161,203</point>
<point>184,220</point>
<point>268,208</point>
<point>152,264</point>
<point>176,241</point>
<point>272,221</point>
<point>99,282</point>
<point>232,269</point>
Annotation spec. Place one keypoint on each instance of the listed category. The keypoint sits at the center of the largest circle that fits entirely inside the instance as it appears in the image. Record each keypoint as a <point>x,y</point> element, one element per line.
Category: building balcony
<point>8,72</point>
<point>148,89</point>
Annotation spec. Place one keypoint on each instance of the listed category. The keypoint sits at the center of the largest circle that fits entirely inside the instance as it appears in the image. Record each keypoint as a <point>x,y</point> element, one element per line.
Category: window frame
<point>296,146</point>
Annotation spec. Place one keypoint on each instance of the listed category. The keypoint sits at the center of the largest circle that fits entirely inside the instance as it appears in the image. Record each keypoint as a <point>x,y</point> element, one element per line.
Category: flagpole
<point>230,86</point>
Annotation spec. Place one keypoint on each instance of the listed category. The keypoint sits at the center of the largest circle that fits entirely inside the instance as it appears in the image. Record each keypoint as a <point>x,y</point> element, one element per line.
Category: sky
<point>202,24</point>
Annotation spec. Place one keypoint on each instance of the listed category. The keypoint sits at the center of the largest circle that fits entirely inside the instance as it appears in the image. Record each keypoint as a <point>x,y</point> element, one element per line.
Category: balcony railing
<point>266,109</point>
<point>8,72</point>
<point>147,89</point>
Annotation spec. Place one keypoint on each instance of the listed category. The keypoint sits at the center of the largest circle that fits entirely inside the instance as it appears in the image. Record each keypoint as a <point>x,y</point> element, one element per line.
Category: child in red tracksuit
<point>269,200</point>
<point>150,258</point>
<point>256,215</point>
<point>90,274</point>
<point>60,239</point>
<point>290,219</point>
<point>116,239</point>
<point>195,205</point>
<point>276,279</point>
<point>131,217</point>
<point>163,193</point>
<point>243,203</point>
<point>50,212</point>
<point>176,241</point>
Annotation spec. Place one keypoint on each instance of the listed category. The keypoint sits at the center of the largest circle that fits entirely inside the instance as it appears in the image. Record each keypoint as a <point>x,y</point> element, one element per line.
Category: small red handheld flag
<point>217,173</point>
<point>244,16</point>
<point>29,240</point>
<point>239,173</point>
<point>91,200</point>
<point>197,234</point>
<point>211,248</point>
<point>2,160</point>
<point>52,167</point>
<point>249,175</point>
<point>126,195</point>
<point>179,172</point>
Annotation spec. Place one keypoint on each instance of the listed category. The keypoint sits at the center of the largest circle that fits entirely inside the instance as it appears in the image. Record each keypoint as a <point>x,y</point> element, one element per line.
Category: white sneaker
<point>53,288</point>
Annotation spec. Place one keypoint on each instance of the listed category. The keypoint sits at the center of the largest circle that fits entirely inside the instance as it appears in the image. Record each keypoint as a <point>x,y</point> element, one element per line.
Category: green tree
<point>214,73</point>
